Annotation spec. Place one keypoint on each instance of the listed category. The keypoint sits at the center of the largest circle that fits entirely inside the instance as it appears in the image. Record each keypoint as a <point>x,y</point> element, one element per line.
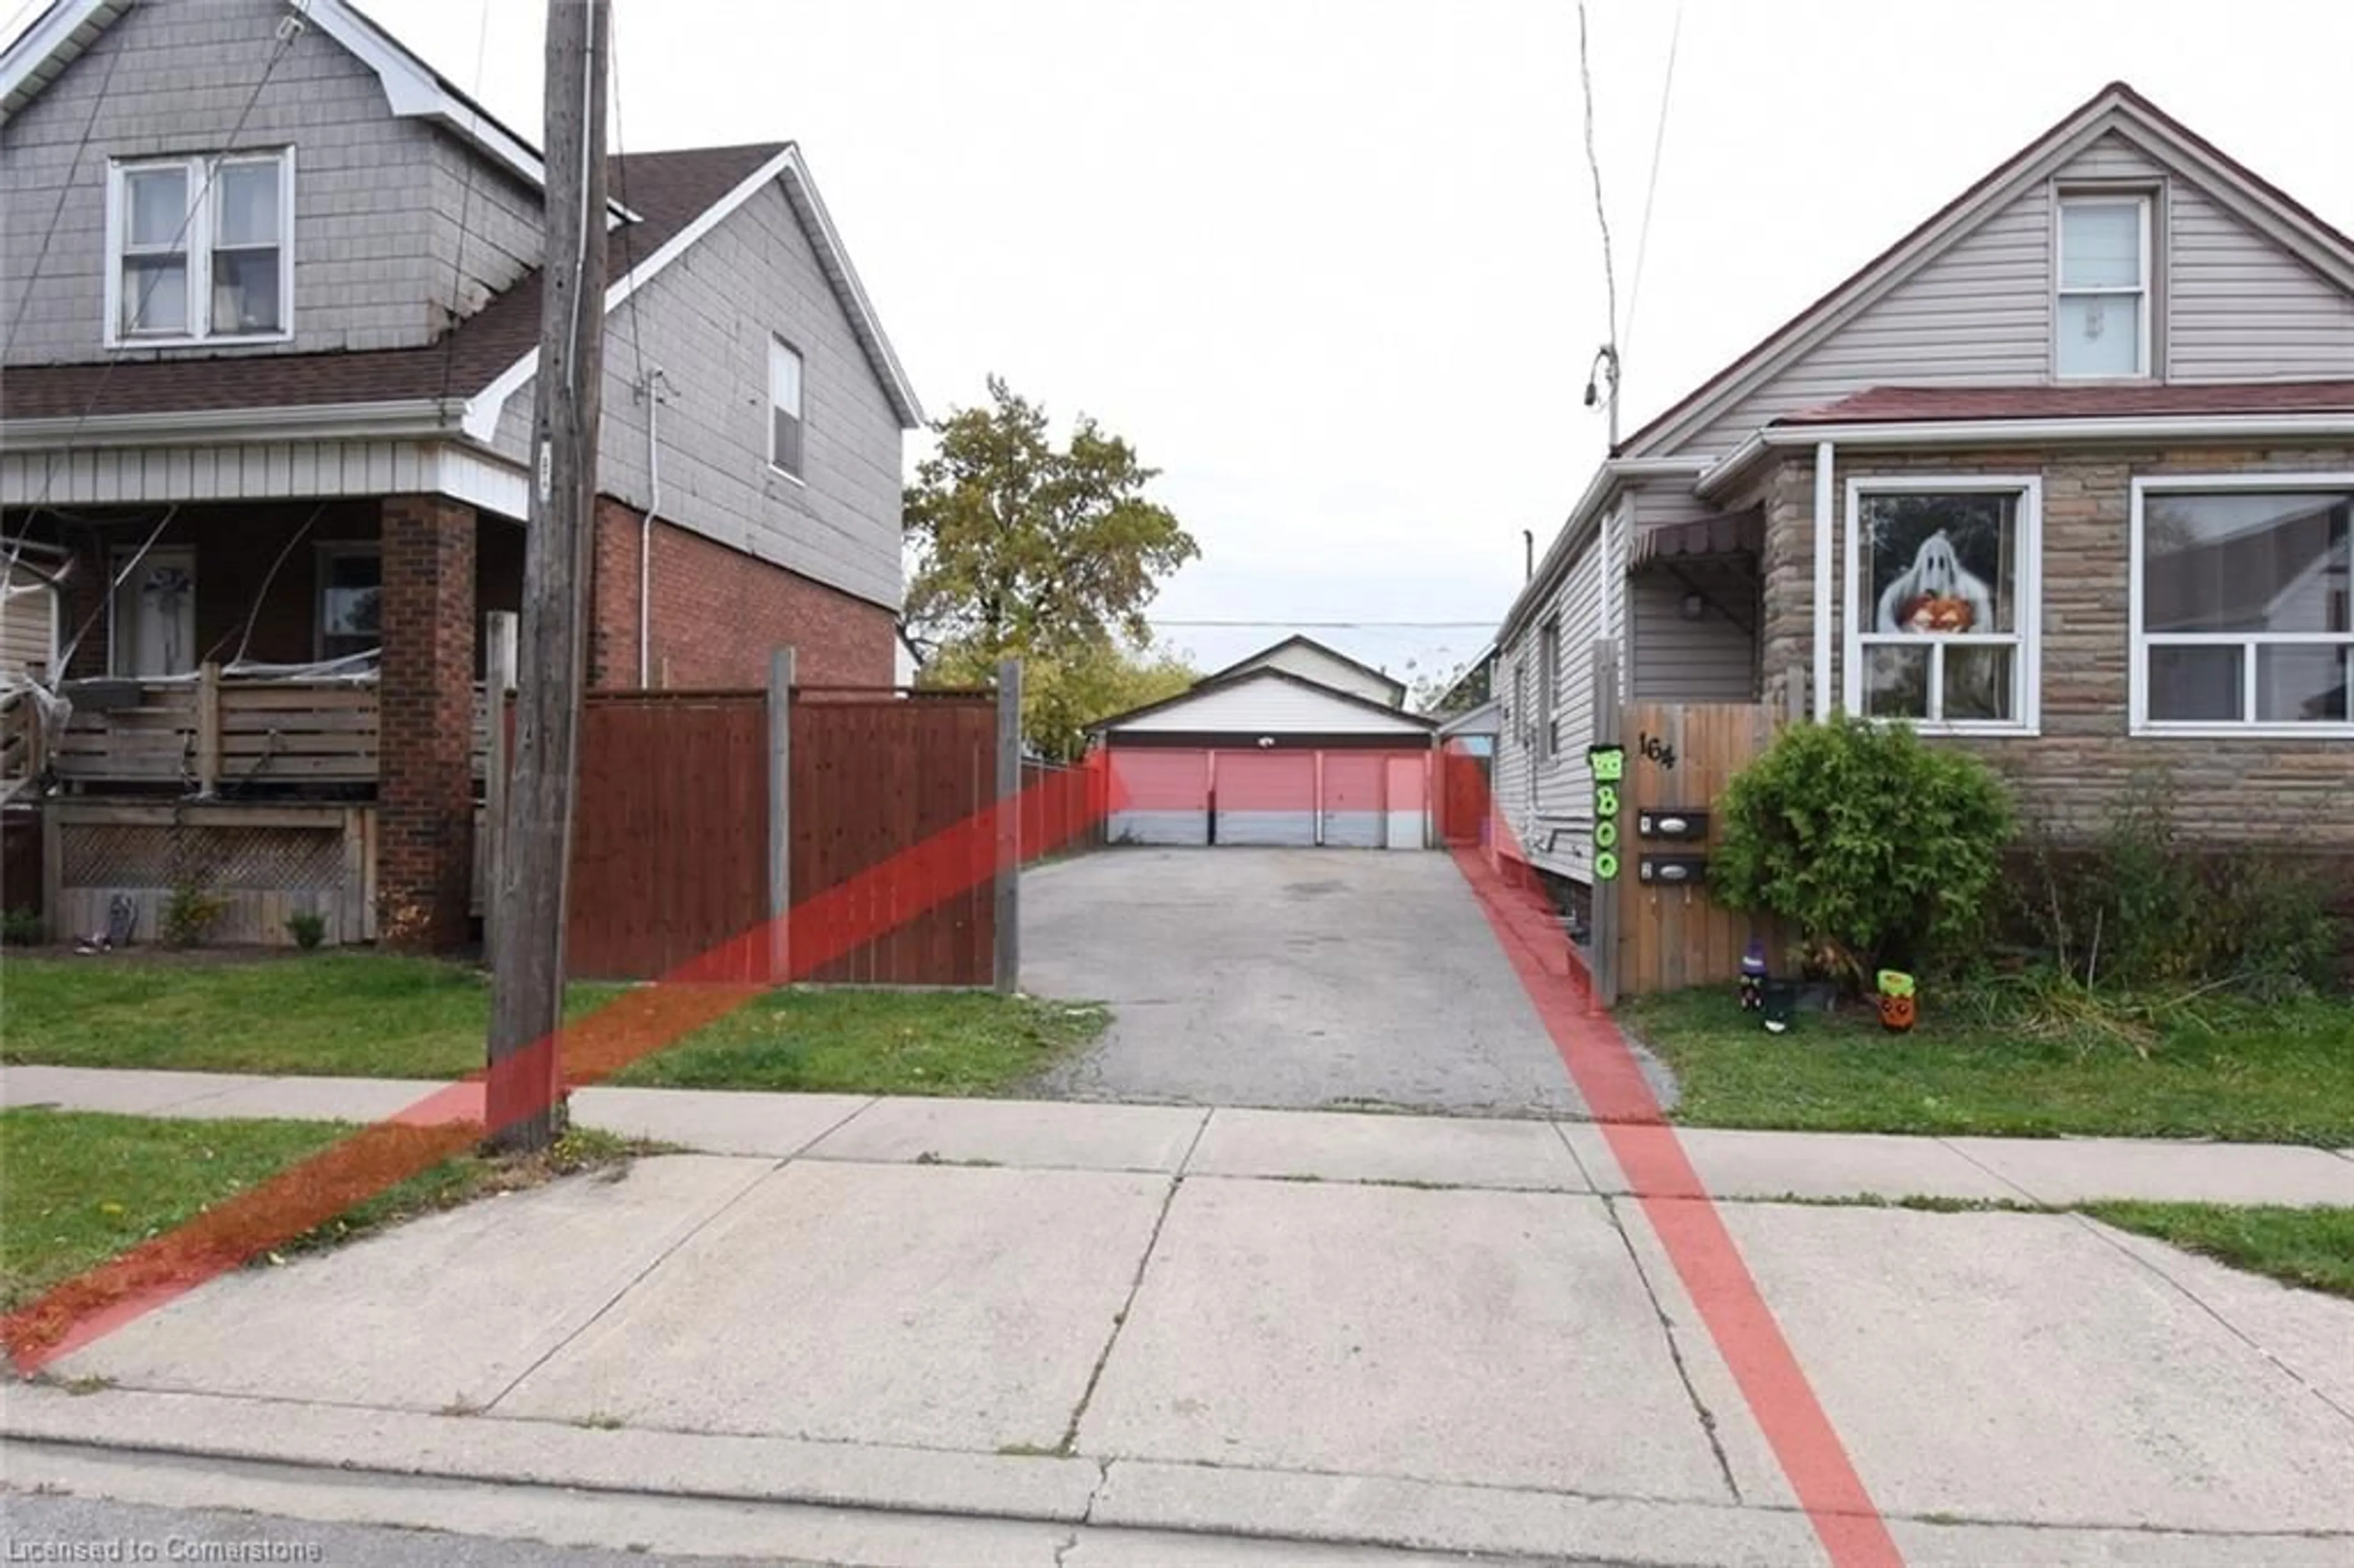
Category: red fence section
<point>873,774</point>
<point>670,829</point>
<point>1067,817</point>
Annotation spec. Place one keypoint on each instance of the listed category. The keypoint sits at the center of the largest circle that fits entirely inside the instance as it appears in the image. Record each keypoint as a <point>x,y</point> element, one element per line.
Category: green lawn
<point>2282,1073</point>
<point>2312,1247</point>
<point>80,1186</point>
<point>378,1015</point>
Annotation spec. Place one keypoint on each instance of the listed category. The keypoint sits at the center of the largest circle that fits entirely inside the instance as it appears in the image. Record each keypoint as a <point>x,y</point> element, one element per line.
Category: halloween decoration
<point>1753,977</point>
<point>1898,1005</point>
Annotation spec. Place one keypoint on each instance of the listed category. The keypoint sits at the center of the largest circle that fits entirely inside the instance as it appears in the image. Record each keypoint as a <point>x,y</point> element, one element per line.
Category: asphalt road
<point>1289,979</point>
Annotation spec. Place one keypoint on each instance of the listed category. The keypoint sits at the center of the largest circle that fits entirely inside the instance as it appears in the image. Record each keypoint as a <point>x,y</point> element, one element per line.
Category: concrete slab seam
<point>1119,1319</point>
<point>685,1235</point>
<point>2108,1237</point>
<point>815,1139</point>
<point>1675,1348</point>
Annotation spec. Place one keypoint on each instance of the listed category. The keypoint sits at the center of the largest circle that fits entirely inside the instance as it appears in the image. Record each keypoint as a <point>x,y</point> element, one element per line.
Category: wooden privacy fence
<point>1670,932</point>
<point>700,815</point>
<point>874,773</point>
<point>1072,818</point>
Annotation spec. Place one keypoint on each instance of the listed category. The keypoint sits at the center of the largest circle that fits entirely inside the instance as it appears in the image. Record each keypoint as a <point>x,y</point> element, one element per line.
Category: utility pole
<point>523,1106</point>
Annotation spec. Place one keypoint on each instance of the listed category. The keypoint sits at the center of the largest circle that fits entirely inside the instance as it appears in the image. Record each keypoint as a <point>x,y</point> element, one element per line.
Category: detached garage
<point>1263,755</point>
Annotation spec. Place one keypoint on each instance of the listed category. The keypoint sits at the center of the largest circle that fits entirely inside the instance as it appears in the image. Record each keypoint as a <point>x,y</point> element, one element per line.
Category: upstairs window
<point>784,407</point>
<point>2102,319</point>
<point>2242,618</point>
<point>201,250</point>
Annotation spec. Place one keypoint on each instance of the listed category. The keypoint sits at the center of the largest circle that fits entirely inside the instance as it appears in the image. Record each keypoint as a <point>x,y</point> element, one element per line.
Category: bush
<point>1882,851</point>
<point>189,914</point>
<point>2139,908</point>
<point>308,927</point>
<point>22,929</point>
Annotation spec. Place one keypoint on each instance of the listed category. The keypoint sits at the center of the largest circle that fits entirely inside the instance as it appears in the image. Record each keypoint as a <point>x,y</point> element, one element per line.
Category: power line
<point>1651,189</point>
<point>1593,166</point>
<point>65,189</point>
<point>290,27</point>
<point>1341,625</point>
<point>465,214</point>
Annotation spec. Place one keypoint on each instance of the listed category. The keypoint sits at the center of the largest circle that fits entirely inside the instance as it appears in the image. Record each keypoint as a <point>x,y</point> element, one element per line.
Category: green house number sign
<point>1607,765</point>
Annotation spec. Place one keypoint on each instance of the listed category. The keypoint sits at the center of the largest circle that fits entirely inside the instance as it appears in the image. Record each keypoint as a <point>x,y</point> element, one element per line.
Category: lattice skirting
<point>263,867</point>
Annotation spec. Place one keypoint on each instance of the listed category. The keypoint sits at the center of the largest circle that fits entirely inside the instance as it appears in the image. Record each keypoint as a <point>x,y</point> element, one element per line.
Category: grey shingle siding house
<point>271,300</point>
<point>2065,476</point>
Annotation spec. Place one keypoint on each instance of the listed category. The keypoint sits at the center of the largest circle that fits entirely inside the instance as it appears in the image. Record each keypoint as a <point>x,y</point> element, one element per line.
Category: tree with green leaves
<point>1048,554</point>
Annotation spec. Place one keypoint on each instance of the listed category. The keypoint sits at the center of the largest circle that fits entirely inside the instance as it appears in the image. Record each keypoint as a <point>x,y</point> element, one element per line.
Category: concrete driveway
<point>1288,977</point>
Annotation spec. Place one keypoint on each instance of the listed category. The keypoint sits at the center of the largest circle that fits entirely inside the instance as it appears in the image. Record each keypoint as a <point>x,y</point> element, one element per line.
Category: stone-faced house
<point>2065,475</point>
<point>271,296</point>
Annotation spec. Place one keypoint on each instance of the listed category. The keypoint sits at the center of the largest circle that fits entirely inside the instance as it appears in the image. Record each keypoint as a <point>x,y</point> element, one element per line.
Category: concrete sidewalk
<point>1424,1333</point>
<point>1435,1151</point>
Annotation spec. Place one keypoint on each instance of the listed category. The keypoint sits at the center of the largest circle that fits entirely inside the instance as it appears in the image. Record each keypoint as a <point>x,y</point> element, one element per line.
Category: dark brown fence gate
<point>874,773</point>
<point>669,836</point>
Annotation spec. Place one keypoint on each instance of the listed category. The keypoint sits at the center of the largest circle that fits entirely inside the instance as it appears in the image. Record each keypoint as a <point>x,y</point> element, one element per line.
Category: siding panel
<point>176,78</point>
<point>2243,310</point>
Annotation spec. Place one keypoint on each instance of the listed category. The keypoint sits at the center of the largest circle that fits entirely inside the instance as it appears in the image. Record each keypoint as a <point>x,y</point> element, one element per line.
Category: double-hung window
<point>784,407</point>
<point>200,249</point>
<point>2241,613</point>
<point>2102,317</point>
<point>1943,583</point>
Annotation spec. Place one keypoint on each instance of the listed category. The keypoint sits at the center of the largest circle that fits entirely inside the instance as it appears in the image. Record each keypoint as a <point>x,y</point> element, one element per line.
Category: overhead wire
<point>465,213</point>
<point>1652,187</point>
<point>1593,166</point>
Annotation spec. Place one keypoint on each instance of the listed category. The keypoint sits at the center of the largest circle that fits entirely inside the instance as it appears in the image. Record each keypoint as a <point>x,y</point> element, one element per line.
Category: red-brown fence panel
<point>670,829</point>
<point>874,773</point>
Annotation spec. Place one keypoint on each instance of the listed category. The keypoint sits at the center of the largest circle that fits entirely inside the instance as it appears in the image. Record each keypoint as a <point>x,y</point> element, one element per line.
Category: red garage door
<point>1264,798</point>
<point>1350,799</point>
<point>1160,797</point>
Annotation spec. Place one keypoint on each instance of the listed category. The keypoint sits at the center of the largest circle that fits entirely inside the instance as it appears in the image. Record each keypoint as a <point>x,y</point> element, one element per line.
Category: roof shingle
<point>667,191</point>
<point>1913,405</point>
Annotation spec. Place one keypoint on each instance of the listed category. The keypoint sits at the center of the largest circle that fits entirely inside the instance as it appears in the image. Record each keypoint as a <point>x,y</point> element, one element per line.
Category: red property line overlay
<point>636,1024</point>
<point>833,923</point>
<point>1660,1175</point>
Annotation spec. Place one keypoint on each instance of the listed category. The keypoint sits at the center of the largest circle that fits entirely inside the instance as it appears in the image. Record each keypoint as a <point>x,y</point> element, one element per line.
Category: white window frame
<point>329,553</point>
<point>196,243</point>
<point>1549,688</point>
<point>2027,612</point>
<point>779,344</point>
<point>2142,292</point>
<point>2137,676</point>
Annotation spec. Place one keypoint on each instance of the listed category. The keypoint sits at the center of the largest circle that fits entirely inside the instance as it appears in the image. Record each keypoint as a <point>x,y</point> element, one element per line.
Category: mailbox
<point>1672,869</point>
<point>1671,823</point>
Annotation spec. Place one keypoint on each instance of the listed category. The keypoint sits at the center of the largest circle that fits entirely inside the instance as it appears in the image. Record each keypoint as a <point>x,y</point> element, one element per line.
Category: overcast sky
<point>1334,265</point>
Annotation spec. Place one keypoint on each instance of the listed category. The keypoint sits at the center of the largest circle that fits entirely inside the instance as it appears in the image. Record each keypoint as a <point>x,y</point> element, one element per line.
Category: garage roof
<point>1265,702</point>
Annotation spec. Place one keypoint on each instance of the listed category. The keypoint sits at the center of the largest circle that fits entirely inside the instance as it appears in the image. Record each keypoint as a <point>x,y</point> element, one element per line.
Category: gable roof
<point>1296,639</point>
<point>674,199</point>
<point>1231,679</point>
<point>413,89</point>
<point>2116,106</point>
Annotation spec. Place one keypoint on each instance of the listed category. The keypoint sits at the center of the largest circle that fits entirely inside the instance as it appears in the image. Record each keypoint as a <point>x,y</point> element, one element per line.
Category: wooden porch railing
<point>214,732</point>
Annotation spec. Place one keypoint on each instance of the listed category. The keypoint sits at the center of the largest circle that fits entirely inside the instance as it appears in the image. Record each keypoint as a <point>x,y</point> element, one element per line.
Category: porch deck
<point>258,793</point>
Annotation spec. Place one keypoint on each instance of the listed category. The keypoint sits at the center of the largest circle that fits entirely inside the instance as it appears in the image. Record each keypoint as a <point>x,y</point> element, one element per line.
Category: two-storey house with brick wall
<point>2065,475</point>
<point>271,293</point>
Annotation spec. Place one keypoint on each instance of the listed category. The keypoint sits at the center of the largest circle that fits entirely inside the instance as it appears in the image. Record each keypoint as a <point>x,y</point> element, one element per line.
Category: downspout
<point>1823,704</point>
<point>652,388</point>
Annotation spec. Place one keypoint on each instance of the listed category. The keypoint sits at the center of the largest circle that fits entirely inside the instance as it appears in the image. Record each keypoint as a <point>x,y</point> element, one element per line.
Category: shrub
<point>308,927</point>
<point>22,929</point>
<point>2137,906</point>
<point>189,914</point>
<point>1882,851</point>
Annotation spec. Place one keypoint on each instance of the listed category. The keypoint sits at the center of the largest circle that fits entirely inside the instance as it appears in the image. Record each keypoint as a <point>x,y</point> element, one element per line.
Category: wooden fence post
<point>781,814</point>
<point>1609,730</point>
<point>209,729</point>
<point>499,633</point>
<point>1009,826</point>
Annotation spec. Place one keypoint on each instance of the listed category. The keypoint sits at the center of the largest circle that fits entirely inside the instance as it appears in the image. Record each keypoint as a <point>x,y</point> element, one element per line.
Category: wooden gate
<point>874,773</point>
<point>670,830</point>
<point>1679,756</point>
